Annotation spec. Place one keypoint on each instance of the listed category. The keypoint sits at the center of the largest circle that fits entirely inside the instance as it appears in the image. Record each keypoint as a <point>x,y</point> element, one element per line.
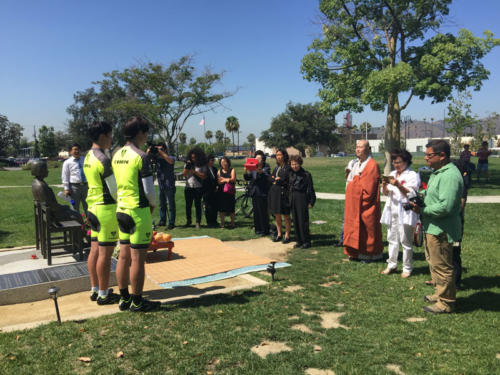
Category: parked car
<point>340,155</point>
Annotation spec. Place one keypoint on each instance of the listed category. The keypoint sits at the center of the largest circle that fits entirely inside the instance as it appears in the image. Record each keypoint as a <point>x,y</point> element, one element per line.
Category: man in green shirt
<point>442,225</point>
<point>101,201</point>
<point>136,201</point>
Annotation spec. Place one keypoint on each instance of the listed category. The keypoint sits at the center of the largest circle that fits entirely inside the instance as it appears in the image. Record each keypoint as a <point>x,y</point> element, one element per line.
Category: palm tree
<point>209,135</point>
<point>232,125</point>
<point>219,136</point>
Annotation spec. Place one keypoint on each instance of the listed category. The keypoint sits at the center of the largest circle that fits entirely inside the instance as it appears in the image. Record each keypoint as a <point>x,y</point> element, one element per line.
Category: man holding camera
<point>166,182</point>
<point>441,222</point>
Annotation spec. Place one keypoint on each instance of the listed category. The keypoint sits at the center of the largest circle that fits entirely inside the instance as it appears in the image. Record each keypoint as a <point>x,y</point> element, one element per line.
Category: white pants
<point>400,234</point>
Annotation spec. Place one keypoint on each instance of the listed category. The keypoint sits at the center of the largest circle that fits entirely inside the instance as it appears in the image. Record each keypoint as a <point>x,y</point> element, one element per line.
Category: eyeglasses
<point>431,154</point>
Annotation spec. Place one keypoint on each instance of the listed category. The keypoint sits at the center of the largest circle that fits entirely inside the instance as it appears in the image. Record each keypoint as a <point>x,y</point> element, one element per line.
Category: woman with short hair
<point>195,171</point>
<point>302,198</point>
<point>401,184</point>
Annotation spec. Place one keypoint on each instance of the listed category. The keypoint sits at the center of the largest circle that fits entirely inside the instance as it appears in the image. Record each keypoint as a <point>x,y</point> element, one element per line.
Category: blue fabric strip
<point>221,275</point>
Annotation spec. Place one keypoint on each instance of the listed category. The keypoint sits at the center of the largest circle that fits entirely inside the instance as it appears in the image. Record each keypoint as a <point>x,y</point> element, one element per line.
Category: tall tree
<point>166,95</point>
<point>192,141</point>
<point>251,140</point>
<point>209,135</point>
<point>62,140</point>
<point>459,118</point>
<point>47,141</point>
<point>10,136</point>
<point>232,125</point>
<point>219,136</point>
<point>374,51</point>
<point>301,126</point>
<point>365,127</point>
<point>182,138</point>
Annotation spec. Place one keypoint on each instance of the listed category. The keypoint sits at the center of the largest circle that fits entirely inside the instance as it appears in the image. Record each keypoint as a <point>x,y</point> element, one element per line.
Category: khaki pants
<point>439,255</point>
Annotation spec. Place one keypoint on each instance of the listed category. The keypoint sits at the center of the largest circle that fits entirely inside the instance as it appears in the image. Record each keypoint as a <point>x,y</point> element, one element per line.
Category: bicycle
<point>243,203</point>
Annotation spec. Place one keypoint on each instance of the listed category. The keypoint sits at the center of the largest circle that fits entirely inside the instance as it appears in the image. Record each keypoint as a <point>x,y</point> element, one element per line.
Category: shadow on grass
<point>481,282</point>
<point>220,299</point>
<point>4,234</point>
<point>323,239</point>
<point>487,301</point>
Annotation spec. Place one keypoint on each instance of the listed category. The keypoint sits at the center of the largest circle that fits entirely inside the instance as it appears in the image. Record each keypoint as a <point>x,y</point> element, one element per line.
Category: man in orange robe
<point>362,228</point>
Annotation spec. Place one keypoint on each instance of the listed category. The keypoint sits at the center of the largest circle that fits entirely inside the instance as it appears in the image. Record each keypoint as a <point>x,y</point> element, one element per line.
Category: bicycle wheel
<point>246,206</point>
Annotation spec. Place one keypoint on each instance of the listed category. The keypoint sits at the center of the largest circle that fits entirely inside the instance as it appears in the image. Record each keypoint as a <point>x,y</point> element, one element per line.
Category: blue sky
<point>51,49</point>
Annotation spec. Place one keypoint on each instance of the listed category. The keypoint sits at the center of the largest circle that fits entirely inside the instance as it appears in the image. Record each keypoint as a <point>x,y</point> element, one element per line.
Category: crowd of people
<point>119,197</point>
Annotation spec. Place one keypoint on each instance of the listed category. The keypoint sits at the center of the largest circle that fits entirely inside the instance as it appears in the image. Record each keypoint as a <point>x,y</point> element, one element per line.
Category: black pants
<point>260,215</point>
<point>210,201</point>
<point>457,265</point>
<point>457,259</point>
<point>193,194</point>
<point>300,212</point>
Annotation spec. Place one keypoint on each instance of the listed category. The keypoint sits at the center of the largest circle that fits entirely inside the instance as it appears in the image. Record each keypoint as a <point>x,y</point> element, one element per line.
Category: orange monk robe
<point>362,228</point>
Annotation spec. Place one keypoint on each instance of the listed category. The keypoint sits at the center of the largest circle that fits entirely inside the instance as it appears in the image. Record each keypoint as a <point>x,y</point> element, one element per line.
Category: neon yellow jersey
<point>130,166</point>
<point>97,167</point>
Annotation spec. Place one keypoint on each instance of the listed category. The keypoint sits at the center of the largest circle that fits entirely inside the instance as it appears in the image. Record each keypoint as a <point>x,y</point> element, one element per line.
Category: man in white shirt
<point>73,178</point>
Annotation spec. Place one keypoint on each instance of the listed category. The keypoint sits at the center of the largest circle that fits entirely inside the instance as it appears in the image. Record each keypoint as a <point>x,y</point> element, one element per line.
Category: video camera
<point>417,199</point>
<point>153,149</point>
<point>189,165</point>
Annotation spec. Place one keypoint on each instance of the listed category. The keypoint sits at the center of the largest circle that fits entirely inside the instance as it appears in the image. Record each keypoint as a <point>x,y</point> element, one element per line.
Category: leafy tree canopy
<point>10,136</point>
<point>166,95</point>
<point>371,51</point>
<point>47,141</point>
<point>301,126</point>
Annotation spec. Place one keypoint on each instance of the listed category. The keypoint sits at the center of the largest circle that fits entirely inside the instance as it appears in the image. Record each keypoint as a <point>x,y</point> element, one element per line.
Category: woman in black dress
<point>227,190</point>
<point>210,193</point>
<point>258,190</point>
<point>302,198</point>
<point>278,196</point>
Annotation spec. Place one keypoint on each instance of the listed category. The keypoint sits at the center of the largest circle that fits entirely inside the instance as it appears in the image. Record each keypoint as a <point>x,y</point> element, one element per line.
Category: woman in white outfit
<point>402,184</point>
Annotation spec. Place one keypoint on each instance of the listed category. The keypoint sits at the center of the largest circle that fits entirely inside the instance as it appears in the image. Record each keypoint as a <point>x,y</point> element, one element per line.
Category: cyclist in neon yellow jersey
<point>101,201</point>
<point>136,202</point>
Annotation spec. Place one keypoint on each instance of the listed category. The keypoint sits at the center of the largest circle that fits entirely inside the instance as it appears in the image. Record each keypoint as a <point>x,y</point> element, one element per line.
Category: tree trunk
<point>392,133</point>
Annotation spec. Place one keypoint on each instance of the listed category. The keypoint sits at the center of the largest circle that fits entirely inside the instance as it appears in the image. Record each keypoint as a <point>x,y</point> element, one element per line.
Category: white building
<point>259,145</point>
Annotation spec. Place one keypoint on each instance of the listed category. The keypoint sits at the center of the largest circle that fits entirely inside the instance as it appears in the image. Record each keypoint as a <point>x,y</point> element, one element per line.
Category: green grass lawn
<point>214,334</point>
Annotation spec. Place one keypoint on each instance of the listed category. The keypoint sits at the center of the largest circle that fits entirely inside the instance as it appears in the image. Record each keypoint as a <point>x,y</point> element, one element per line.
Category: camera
<point>153,149</point>
<point>189,165</point>
<point>417,199</point>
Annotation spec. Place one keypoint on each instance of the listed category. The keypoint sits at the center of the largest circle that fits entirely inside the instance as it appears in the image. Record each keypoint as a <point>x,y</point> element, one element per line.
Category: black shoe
<point>188,224</point>
<point>124,304</point>
<point>259,233</point>
<point>297,245</point>
<point>161,224</point>
<point>94,295</point>
<point>286,240</point>
<point>307,245</point>
<point>110,299</point>
<point>277,239</point>
<point>171,226</point>
<point>263,234</point>
<point>144,306</point>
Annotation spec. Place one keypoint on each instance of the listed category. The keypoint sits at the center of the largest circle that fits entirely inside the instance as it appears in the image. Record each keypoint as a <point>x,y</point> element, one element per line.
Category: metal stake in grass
<point>53,294</point>
<point>271,269</point>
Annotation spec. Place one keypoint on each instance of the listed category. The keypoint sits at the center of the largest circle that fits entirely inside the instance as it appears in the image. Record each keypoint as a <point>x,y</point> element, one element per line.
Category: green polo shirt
<point>442,203</point>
